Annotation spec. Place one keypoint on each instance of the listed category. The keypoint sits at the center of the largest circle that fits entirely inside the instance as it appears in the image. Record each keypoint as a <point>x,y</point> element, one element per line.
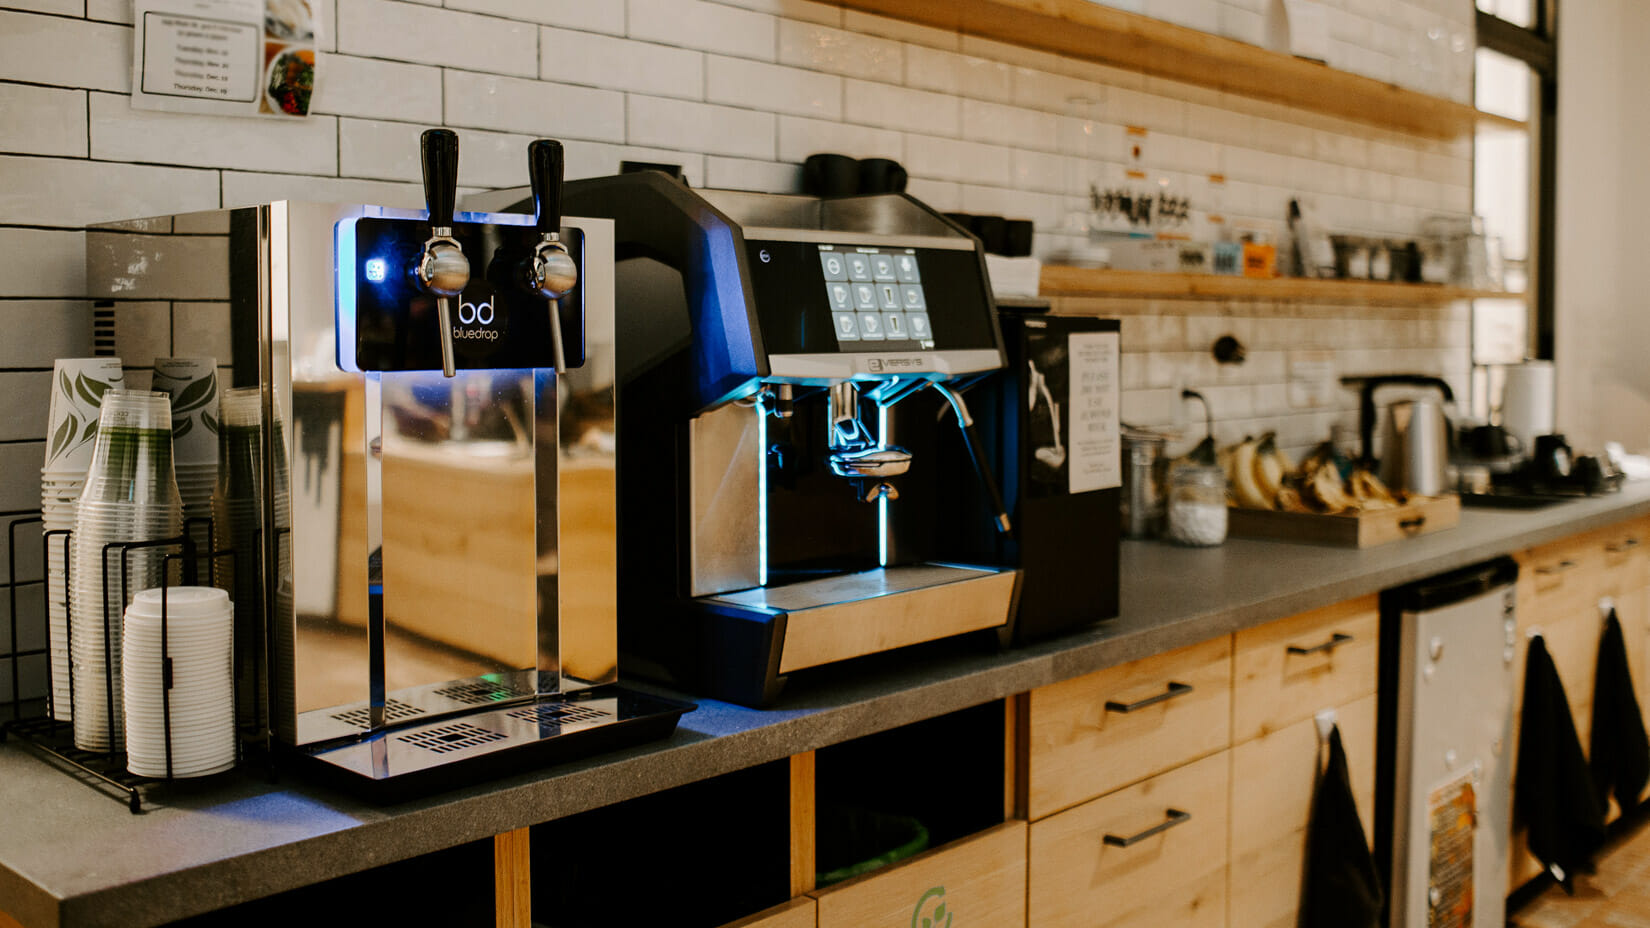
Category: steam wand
<point>442,268</point>
<point>982,467</point>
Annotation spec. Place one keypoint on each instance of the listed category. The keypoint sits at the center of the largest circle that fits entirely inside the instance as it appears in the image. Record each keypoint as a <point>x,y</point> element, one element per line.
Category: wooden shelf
<point>1079,281</point>
<point>1089,31</point>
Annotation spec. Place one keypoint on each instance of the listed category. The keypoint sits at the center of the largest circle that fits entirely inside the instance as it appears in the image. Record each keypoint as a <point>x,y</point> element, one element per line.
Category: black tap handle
<point>439,150</point>
<point>545,163</point>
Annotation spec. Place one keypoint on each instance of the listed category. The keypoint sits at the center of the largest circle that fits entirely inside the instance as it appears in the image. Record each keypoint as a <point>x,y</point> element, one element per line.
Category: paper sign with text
<point>225,57</point>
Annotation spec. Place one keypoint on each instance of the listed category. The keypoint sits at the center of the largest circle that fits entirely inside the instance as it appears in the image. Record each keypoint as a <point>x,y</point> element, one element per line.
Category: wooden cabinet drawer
<point>1117,726</point>
<point>1287,670</point>
<point>795,913</point>
<point>1272,782</point>
<point>1129,859</point>
<point>1625,556</point>
<point>978,880</point>
<point>1562,577</point>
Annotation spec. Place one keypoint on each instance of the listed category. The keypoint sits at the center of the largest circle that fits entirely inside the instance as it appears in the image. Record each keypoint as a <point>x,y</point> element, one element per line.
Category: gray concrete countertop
<point>70,855</point>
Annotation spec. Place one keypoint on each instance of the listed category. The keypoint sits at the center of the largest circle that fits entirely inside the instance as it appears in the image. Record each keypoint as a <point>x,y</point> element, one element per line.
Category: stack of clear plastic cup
<point>78,386</point>
<point>192,383</point>
<point>238,520</point>
<point>193,720</point>
<point>131,495</point>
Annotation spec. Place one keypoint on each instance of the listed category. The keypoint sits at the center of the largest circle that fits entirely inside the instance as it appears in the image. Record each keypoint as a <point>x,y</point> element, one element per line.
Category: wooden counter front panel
<point>980,881</point>
<point>795,913</point>
<point>1273,688</point>
<point>1080,749</point>
<point>1272,783</point>
<point>1175,877</point>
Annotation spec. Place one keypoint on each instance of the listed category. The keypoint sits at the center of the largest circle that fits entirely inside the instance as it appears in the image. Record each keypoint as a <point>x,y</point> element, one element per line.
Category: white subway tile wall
<point>738,92</point>
<point>1167,347</point>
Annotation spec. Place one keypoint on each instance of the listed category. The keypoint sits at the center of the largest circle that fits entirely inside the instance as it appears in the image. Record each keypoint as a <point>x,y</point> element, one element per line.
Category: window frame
<point>1536,47</point>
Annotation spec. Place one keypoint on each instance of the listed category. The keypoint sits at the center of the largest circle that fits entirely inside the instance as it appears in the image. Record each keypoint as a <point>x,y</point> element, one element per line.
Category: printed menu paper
<point>1096,449</point>
<point>225,57</point>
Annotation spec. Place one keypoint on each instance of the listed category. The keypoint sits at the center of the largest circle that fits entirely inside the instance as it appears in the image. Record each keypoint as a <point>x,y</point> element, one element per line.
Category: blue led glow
<point>343,260</point>
<point>376,269</point>
<point>882,501</point>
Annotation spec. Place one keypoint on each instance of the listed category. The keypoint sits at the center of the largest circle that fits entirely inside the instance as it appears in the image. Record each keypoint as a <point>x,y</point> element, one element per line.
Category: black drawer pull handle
<point>1626,544</point>
<point>1411,526</point>
<point>1560,567</point>
<point>1174,817</point>
<point>1175,689</point>
<point>1335,641</point>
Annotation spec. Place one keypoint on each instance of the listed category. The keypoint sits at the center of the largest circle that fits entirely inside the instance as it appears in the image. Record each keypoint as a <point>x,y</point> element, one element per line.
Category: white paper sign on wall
<point>225,57</point>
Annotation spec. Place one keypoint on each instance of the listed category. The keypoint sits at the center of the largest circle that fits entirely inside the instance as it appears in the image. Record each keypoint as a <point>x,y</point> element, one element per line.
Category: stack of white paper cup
<point>194,719</point>
<point>131,495</point>
<point>192,383</point>
<point>78,385</point>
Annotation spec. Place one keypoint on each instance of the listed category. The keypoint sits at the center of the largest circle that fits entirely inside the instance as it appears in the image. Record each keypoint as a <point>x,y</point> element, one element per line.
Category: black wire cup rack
<point>53,738</point>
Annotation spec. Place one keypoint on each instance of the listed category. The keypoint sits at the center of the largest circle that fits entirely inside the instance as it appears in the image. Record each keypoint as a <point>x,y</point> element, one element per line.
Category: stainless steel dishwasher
<point>1443,797</point>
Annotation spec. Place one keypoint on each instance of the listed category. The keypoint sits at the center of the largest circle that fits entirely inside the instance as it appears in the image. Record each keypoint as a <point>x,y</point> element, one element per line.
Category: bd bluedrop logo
<point>933,903</point>
<point>475,314</point>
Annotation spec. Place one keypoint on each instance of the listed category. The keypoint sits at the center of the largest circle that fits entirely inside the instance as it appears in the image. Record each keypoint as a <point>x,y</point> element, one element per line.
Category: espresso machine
<point>791,373</point>
<point>435,524</point>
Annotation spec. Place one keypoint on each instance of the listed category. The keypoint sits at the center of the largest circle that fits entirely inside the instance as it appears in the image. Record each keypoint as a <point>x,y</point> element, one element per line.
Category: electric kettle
<point>1415,438</point>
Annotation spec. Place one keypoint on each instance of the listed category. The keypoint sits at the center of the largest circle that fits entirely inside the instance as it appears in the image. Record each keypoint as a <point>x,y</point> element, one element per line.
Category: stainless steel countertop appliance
<point>433,593</point>
<point>785,365</point>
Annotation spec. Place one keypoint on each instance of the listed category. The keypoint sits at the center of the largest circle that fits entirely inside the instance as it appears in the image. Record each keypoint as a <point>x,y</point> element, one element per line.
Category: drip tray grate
<point>480,694</point>
<point>394,711</point>
<point>558,712</point>
<point>455,737</point>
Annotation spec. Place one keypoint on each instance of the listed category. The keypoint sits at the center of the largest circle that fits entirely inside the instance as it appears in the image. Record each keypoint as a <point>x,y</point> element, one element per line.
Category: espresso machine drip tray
<point>851,615</point>
<point>426,756</point>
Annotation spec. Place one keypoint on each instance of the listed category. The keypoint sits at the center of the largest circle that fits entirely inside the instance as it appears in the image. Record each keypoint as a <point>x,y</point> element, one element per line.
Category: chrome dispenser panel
<point>423,543</point>
<point>725,485</point>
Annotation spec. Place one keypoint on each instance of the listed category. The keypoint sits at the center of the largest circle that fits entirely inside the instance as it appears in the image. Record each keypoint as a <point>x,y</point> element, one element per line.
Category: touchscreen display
<point>876,295</point>
<point>837,298</point>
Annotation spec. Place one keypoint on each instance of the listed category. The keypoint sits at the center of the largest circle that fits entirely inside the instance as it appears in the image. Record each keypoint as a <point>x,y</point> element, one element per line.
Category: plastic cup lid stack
<point>197,713</point>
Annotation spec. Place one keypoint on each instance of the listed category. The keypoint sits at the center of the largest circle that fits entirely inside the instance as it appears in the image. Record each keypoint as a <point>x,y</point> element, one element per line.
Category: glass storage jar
<point>1197,505</point>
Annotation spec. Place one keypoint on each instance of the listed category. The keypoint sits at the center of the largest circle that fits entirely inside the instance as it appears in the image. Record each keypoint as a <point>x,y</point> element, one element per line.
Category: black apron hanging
<point>1556,800</point>
<point>1620,750</point>
<point>1340,888</point>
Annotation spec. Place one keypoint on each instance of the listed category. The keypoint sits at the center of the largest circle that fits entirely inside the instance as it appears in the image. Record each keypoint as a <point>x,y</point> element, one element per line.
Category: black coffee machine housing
<point>1051,422</point>
<point>788,368</point>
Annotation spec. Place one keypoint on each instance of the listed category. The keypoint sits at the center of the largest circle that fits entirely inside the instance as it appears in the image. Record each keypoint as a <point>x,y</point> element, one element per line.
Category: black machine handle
<point>1172,817</point>
<point>546,164</point>
<point>1335,641</point>
<point>1175,689</point>
<point>1366,403</point>
<point>438,149</point>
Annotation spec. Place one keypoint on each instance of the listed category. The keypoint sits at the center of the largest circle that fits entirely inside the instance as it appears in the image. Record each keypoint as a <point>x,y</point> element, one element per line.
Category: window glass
<point>1517,12</point>
<point>1504,85</point>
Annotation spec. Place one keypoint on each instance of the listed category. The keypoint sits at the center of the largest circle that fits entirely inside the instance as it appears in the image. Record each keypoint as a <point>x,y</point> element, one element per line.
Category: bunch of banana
<point>1322,490</point>
<point>1370,492</point>
<point>1256,469</point>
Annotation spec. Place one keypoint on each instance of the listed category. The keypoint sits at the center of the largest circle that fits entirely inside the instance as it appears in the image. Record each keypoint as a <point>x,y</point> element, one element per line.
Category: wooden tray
<point>1420,516</point>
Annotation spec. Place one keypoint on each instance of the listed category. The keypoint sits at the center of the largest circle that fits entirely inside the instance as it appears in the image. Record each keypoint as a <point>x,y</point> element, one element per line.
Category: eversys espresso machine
<point>433,548</point>
<point>791,424</point>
